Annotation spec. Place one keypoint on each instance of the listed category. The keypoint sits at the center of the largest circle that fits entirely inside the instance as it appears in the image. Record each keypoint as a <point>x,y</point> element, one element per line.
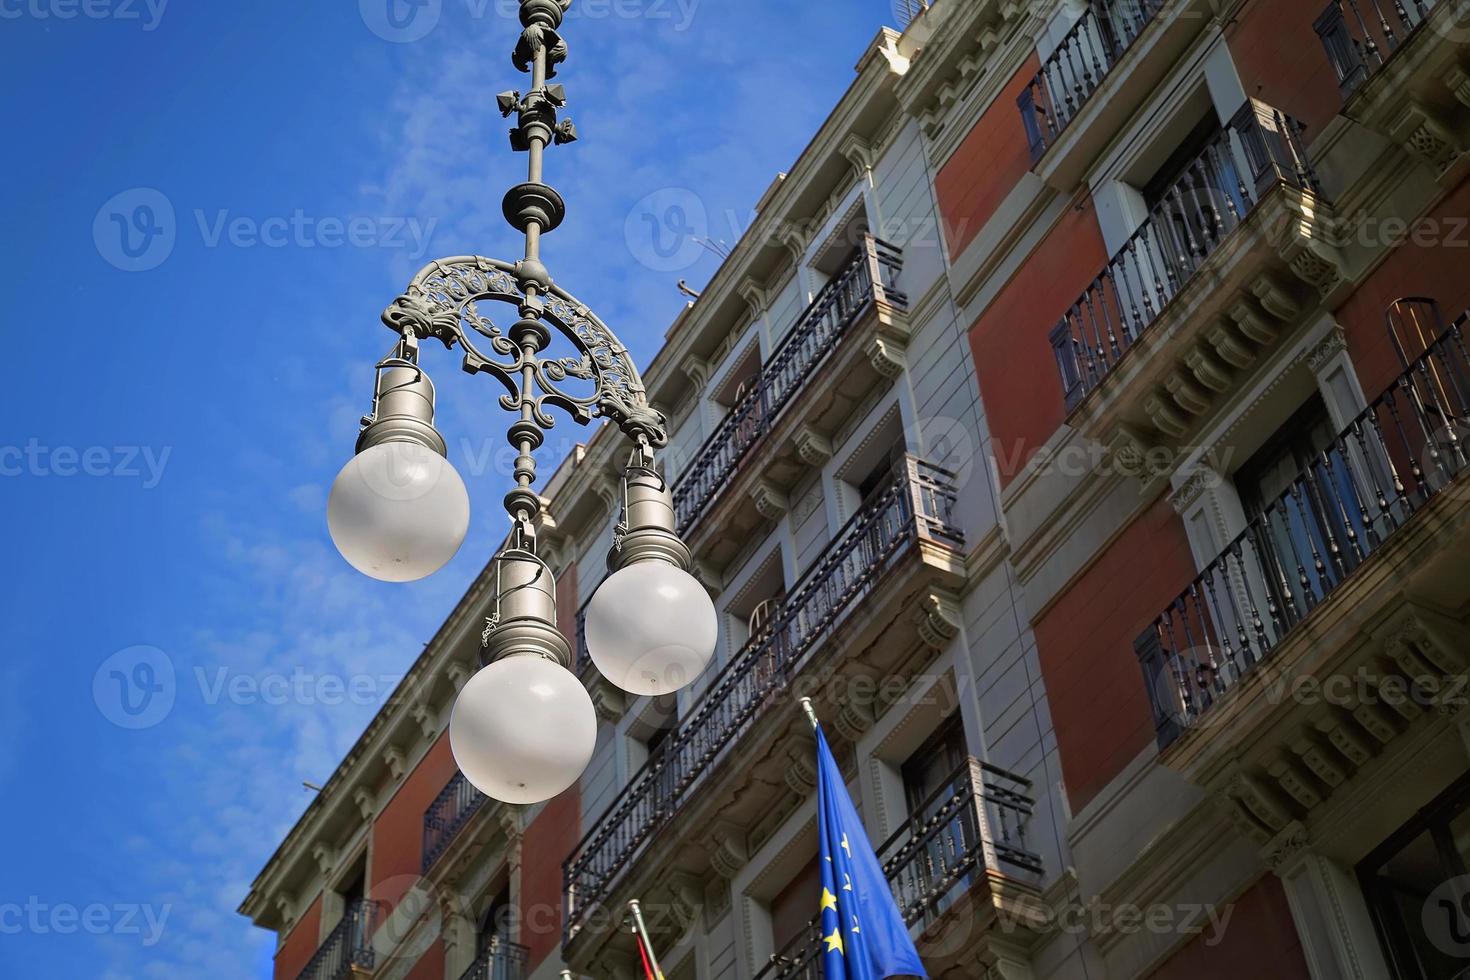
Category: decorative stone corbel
<point>1187,395</point>
<point>686,897</point>
<point>696,370</point>
<point>1457,80</point>
<point>397,765</point>
<point>367,802</point>
<point>853,720</point>
<point>428,718</point>
<point>1260,802</point>
<point>1425,137</point>
<point>755,296</point>
<point>813,447</point>
<point>937,619</point>
<point>611,703</point>
<point>769,500</point>
<point>801,771</point>
<point>1297,784</point>
<point>1199,481</point>
<point>1165,416</point>
<point>458,674</point>
<point>286,909</point>
<point>886,357</point>
<point>1128,448</point>
<point>858,153</point>
<point>1228,344</point>
<point>1252,323</point>
<point>1207,370</point>
<point>727,849</point>
<point>325,857</point>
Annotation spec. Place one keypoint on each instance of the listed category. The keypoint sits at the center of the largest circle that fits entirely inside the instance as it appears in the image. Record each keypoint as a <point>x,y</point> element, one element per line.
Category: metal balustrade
<point>499,960</point>
<point>348,947</point>
<point>1074,71</point>
<point>1213,196</point>
<point>975,822</point>
<point>905,11</point>
<point>447,816</point>
<point>869,277</point>
<point>1360,35</point>
<point>916,504</point>
<point>1395,457</point>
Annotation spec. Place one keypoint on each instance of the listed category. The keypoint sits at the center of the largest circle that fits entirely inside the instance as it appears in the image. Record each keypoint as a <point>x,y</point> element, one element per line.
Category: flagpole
<point>810,712</point>
<point>642,931</point>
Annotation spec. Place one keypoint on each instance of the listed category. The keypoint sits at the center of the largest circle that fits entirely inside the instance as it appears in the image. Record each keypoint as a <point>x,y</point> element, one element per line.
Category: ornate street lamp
<point>523,727</point>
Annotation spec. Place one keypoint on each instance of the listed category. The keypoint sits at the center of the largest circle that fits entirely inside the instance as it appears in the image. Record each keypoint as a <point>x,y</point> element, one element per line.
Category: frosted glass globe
<point>522,729</point>
<point>398,511</point>
<point>651,628</point>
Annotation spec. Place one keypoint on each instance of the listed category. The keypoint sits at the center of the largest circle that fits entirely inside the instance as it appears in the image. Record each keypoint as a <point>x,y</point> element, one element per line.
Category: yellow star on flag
<point>834,941</point>
<point>829,900</point>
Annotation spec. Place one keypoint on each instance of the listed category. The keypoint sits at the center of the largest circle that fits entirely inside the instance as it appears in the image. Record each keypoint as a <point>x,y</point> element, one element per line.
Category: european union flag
<point>863,933</point>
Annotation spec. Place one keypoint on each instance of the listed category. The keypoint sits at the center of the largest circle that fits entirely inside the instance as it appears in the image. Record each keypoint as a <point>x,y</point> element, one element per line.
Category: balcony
<point>1361,35</point>
<point>1354,576</point>
<point>1083,58</point>
<point>1227,261</point>
<point>348,950</point>
<point>901,540</point>
<point>499,960</point>
<point>819,343</point>
<point>966,842</point>
<point>447,816</point>
<point>1105,68</point>
<point>1401,68</point>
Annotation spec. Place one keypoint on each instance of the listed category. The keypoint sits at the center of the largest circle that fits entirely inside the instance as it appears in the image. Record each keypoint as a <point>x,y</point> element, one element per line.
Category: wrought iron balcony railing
<point>1074,71</point>
<point>349,947</point>
<point>870,277</point>
<point>447,816</point>
<point>973,823</point>
<point>916,504</point>
<point>1216,192</point>
<point>1360,35</point>
<point>499,960</point>
<point>1399,454</point>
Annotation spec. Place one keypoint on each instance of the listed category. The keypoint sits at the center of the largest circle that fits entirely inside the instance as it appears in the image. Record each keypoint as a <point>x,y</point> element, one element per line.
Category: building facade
<point>1080,425</point>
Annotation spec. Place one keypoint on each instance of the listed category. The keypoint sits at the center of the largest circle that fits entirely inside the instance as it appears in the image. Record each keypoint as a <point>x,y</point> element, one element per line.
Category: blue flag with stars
<point>863,933</point>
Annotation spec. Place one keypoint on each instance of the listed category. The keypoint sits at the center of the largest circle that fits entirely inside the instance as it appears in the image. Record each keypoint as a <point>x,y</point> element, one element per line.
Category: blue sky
<point>207,206</point>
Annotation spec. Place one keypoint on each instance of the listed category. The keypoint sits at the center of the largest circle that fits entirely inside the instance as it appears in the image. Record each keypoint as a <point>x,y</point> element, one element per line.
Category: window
<point>1301,497</point>
<point>495,924</point>
<point>1417,890</point>
<point>794,908</point>
<point>1194,198</point>
<point>933,765</point>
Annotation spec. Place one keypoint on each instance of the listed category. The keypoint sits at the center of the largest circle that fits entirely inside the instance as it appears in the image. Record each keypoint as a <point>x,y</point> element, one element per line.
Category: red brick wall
<point>398,834</point>
<point>1259,942</point>
<point>1281,60</point>
<point>1099,704</point>
<point>431,965</point>
<point>986,167</point>
<point>1013,357</point>
<point>548,842</point>
<point>301,944</point>
<point>1438,268</point>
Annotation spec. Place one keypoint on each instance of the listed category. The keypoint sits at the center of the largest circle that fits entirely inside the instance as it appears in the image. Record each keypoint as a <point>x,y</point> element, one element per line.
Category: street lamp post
<point>523,727</point>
